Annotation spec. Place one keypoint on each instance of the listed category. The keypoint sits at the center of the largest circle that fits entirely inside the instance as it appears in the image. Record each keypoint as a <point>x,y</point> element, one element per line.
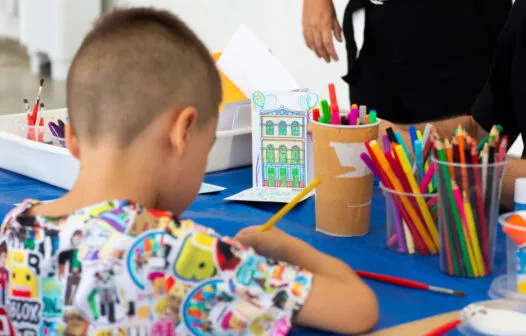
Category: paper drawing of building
<point>283,138</point>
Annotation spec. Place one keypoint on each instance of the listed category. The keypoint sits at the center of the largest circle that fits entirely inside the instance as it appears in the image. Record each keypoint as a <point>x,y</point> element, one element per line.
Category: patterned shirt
<point>117,268</point>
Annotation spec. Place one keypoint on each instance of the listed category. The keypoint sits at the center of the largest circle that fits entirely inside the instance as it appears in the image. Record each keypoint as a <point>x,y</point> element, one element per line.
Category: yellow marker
<point>405,202</point>
<point>289,205</point>
<point>406,167</point>
<point>419,135</point>
<point>474,237</point>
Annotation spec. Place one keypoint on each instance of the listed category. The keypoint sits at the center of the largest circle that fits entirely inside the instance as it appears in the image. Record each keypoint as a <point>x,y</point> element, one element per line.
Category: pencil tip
<point>41,81</point>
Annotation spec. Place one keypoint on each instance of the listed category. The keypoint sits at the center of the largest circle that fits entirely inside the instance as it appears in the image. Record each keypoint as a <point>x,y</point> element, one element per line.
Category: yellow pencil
<point>405,202</point>
<point>474,236</point>
<point>406,167</point>
<point>289,205</point>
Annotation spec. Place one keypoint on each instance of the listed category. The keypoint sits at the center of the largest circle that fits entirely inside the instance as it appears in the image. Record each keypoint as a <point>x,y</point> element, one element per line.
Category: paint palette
<point>507,320</point>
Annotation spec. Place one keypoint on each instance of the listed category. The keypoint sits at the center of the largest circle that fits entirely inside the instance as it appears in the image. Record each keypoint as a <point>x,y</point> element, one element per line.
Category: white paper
<point>248,63</point>
<point>210,188</point>
<point>206,188</point>
<point>268,195</point>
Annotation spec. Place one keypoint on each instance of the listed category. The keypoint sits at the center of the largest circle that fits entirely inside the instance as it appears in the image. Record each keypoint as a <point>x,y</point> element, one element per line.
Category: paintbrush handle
<point>392,280</point>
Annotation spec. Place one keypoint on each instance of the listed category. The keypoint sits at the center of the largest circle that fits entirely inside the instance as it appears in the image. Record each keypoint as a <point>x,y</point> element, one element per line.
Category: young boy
<point>143,96</point>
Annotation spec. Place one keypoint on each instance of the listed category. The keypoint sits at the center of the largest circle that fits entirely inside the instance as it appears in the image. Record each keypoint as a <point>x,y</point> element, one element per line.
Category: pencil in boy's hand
<point>289,205</point>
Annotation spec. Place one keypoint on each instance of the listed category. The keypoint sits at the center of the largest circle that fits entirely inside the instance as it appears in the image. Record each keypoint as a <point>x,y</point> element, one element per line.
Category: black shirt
<point>503,100</point>
<point>423,59</point>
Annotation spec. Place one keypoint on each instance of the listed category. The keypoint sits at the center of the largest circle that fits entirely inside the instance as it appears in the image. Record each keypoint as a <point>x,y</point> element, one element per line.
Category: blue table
<point>397,305</point>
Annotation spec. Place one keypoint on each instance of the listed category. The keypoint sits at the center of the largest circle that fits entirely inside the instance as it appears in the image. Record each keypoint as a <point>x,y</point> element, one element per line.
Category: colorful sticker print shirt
<point>117,268</point>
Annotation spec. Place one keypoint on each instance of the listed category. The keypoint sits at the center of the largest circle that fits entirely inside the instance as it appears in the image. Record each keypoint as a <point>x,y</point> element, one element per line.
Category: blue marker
<point>419,157</point>
<point>414,136</point>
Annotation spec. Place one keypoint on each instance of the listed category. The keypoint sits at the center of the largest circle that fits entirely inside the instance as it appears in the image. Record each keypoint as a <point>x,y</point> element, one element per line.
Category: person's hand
<point>274,243</point>
<point>319,25</point>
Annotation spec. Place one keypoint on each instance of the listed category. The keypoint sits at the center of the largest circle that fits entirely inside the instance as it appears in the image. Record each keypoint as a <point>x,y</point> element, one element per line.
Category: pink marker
<point>335,118</point>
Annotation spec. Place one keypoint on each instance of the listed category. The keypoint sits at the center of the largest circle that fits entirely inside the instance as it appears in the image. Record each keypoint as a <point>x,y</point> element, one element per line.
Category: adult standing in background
<point>421,59</point>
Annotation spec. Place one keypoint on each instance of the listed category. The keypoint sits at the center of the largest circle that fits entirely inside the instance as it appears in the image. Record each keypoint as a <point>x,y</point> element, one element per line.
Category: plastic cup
<point>469,197</point>
<point>399,227</point>
<point>343,198</point>
<point>512,285</point>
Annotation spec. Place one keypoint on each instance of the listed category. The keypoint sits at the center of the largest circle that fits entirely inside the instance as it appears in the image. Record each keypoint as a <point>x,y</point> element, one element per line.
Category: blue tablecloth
<point>397,305</point>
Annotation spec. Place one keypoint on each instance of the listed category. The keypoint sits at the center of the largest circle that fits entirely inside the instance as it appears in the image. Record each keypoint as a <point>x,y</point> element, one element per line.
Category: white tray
<point>55,165</point>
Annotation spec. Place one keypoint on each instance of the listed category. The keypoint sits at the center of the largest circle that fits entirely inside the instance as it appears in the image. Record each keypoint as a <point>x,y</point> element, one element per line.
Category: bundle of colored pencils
<point>407,182</point>
<point>469,176</point>
<point>331,114</point>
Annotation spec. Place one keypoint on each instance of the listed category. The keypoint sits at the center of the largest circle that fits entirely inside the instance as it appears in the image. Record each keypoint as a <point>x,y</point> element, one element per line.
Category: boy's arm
<point>339,301</point>
<point>337,293</point>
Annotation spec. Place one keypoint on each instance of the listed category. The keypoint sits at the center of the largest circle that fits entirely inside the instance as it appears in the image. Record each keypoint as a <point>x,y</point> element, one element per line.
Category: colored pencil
<point>449,236</point>
<point>271,222</point>
<point>465,229</point>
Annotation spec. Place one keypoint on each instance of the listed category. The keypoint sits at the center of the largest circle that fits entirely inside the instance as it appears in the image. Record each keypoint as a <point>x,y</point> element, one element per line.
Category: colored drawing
<point>280,145</point>
<point>271,195</point>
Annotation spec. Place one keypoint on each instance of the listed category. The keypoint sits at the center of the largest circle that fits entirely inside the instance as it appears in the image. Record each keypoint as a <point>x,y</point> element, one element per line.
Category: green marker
<point>372,117</point>
<point>325,111</point>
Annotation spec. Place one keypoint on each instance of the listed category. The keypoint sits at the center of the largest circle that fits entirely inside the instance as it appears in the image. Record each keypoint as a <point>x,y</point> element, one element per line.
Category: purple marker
<point>387,143</point>
<point>396,216</point>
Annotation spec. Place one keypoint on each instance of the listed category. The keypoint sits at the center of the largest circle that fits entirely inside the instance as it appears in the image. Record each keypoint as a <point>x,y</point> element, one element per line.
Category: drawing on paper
<point>280,145</point>
<point>271,195</point>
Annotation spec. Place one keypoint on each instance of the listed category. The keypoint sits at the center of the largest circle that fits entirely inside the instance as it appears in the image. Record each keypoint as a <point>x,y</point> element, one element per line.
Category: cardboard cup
<point>343,198</point>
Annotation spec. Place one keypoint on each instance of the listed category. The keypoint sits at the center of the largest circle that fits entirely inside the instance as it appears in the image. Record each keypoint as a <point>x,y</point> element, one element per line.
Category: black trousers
<point>422,59</point>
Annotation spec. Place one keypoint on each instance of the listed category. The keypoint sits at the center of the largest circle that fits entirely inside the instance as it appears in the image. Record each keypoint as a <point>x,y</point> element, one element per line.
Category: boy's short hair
<point>134,65</point>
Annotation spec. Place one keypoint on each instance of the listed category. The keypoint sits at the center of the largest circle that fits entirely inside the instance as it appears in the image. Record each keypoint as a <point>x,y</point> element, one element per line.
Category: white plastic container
<point>55,165</point>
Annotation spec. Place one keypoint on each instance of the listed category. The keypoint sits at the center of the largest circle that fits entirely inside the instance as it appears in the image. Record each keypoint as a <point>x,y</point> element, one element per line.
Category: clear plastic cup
<point>403,235</point>
<point>512,285</point>
<point>39,134</point>
<point>469,197</point>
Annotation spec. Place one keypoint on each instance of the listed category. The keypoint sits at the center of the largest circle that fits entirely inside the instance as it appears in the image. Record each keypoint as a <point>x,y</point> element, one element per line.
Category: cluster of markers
<point>466,178</point>
<point>330,114</point>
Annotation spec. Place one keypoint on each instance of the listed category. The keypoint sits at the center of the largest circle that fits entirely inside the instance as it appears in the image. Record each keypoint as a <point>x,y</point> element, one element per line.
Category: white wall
<point>276,22</point>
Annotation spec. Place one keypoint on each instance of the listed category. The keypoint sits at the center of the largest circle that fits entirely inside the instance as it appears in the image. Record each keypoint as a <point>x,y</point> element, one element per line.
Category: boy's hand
<point>274,243</point>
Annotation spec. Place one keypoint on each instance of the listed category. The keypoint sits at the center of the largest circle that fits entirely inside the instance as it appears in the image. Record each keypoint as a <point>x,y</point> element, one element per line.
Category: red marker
<point>332,97</point>
<point>316,114</point>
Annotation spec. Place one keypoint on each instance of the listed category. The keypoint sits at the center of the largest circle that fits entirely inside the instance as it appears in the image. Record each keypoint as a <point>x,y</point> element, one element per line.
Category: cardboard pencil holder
<point>343,198</point>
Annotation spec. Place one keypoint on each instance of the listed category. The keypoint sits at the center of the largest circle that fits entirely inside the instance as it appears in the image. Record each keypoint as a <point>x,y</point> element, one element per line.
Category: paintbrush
<point>408,283</point>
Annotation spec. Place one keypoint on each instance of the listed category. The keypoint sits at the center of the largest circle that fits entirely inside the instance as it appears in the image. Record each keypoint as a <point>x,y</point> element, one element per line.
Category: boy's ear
<point>71,141</point>
<point>183,125</point>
